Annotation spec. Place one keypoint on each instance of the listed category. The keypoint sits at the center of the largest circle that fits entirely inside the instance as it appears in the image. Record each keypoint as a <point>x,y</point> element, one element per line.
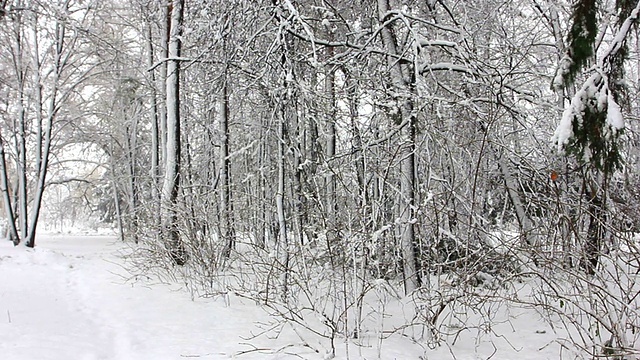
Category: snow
<point>621,35</point>
<point>73,298</point>
<point>564,131</point>
<point>614,115</point>
<point>592,89</point>
<point>70,298</point>
<point>561,72</point>
<point>596,88</point>
<point>427,67</point>
<point>443,43</point>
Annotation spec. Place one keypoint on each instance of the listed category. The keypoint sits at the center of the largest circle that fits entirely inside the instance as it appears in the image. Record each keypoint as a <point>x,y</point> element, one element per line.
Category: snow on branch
<point>591,123</point>
<point>564,132</point>
<point>618,40</point>
<point>171,58</point>
<point>594,96</point>
<point>444,67</point>
<point>615,46</point>
<point>67,180</point>
<point>593,120</point>
<point>443,43</point>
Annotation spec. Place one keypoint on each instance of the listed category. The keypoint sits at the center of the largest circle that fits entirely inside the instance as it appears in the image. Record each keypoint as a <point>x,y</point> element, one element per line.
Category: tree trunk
<point>38,83</point>
<point>42,172</point>
<point>156,115</point>
<point>115,193</point>
<point>361,262</point>
<point>166,13</point>
<point>263,226</point>
<point>596,230</point>
<point>171,183</point>
<point>526,225</point>
<point>132,156</point>
<point>59,64</point>
<point>226,222</point>
<point>22,166</point>
<point>331,207</point>
<point>283,242</point>
<point>295,144</point>
<point>407,153</point>
<point>4,187</point>
<point>356,142</point>
<point>20,133</point>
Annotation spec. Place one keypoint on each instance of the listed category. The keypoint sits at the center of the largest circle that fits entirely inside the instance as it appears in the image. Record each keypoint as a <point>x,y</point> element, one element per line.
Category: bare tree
<point>226,208</point>
<point>403,80</point>
<point>46,82</point>
<point>171,183</point>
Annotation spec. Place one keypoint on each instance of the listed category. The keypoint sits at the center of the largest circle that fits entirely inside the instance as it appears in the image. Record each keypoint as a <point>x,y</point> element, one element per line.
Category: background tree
<point>593,122</point>
<point>327,150</point>
<point>52,61</point>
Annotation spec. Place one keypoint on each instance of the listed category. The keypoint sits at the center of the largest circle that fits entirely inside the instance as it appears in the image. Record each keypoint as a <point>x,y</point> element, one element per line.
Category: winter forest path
<point>69,299</point>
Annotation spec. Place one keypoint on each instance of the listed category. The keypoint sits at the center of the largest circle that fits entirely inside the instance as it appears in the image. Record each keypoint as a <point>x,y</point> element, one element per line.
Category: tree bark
<point>596,230</point>
<point>407,153</point>
<point>60,63</point>
<point>156,116</point>
<point>356,141</point>
<point>171,183</point>
<point>283,241</point>
<point>331,206</point>
<point>115,193</point>
<point>38,83</point>
<point>226,216</point>
<point>20,132</point>
<point>526,225</point>
<point>4,187</point>
<point>132,157</point>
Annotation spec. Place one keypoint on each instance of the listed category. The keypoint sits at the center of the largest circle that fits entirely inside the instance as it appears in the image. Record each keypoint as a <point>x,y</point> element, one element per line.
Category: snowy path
<point>66,300</point>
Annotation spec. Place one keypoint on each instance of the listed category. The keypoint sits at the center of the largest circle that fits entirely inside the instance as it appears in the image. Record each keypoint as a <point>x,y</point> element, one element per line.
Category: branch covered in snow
<point>592,121</point>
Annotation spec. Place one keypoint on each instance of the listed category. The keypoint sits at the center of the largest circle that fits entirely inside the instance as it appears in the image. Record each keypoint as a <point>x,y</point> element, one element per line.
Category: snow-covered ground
<point>71,298</point>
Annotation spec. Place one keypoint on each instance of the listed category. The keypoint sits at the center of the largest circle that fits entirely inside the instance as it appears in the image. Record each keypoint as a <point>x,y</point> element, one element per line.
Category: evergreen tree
<point>581,37</point>
<point>592,123</point>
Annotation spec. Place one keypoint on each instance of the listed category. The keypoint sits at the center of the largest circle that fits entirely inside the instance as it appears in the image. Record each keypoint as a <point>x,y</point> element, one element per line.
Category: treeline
<point>260,141</point>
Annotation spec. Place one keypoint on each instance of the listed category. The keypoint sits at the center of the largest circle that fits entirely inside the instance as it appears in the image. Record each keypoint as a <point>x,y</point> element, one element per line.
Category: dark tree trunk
<point>595,235</point>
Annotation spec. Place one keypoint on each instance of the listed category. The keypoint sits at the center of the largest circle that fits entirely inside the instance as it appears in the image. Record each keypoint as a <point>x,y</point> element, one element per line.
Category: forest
<point>310,155</point>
